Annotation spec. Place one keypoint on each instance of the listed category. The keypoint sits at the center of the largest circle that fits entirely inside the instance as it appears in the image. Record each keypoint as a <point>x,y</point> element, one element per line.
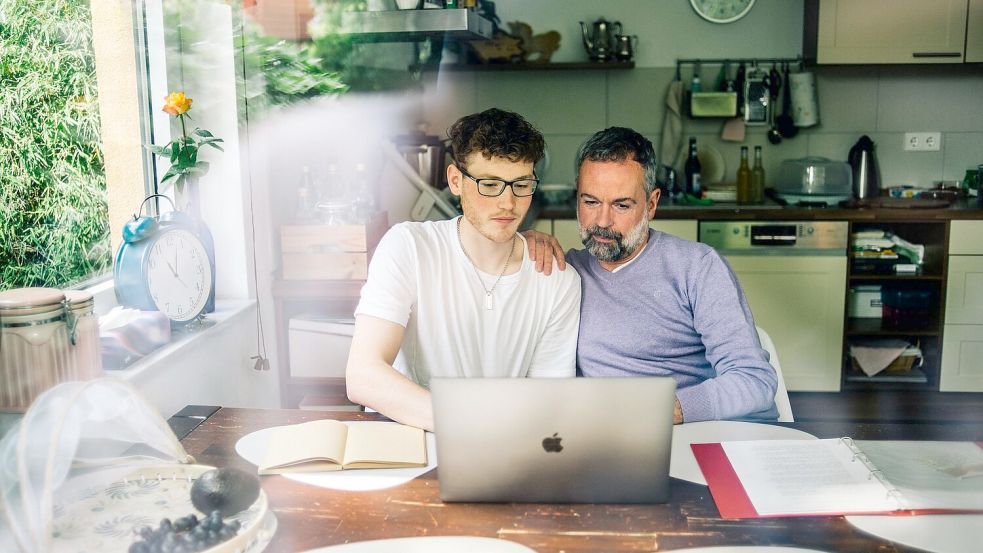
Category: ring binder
<point>874,472</point>
<point>751,479</point>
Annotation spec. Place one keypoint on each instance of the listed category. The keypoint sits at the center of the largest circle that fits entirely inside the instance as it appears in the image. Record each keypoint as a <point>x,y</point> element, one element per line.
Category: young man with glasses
<point>460,298</point>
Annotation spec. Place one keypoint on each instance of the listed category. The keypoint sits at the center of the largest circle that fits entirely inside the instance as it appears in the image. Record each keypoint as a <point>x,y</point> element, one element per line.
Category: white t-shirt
<point>421,279</point>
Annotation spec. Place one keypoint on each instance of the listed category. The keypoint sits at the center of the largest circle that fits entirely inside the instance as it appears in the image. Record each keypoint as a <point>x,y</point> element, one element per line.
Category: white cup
<point>407,4</point>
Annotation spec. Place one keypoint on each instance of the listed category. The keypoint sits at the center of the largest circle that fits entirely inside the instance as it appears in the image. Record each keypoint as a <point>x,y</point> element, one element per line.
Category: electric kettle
<point>866,174</point>
<point>599,40</point>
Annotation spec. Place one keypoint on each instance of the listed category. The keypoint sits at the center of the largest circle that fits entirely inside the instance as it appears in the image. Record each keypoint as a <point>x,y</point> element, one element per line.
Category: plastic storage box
<point>865,301</point>
<point>319,346</point>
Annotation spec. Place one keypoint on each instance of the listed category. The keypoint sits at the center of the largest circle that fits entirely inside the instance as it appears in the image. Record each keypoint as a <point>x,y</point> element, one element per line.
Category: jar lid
<point>23,298</point>
<point>77,296</point>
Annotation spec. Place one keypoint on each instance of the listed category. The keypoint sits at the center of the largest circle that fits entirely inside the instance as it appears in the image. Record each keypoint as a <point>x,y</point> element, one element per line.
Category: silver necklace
<point>489,303</point>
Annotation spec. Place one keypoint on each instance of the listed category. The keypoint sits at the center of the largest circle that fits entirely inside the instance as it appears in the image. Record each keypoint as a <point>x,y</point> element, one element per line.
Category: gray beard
<point>622,246</point>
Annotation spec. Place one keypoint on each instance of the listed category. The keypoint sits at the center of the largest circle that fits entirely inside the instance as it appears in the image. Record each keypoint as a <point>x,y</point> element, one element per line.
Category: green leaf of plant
<point>202,132</point>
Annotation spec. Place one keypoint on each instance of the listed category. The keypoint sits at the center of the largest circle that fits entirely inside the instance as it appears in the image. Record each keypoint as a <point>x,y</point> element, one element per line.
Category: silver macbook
<point>576,440</point>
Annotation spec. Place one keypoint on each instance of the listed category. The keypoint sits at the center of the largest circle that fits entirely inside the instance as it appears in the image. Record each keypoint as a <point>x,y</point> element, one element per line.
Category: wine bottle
<point>693,170</point>
<point>757,178</point>
<point>743,179</point>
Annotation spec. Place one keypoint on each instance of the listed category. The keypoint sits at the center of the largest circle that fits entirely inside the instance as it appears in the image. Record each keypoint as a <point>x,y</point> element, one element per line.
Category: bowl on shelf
<point>557,194</point>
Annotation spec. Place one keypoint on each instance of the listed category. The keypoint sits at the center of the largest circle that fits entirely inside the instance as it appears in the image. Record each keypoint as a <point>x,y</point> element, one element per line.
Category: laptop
<point>542,440</point>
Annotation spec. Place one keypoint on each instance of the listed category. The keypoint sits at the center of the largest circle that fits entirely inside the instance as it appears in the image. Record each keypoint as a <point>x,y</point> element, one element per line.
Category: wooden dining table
<point>310,517</point>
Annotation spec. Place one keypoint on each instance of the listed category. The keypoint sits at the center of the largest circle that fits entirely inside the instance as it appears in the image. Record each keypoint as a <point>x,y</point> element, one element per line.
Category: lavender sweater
<point>677,310</point>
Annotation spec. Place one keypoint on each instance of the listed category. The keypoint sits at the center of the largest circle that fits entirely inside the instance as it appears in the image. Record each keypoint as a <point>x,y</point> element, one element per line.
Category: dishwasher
<point>794,276</point>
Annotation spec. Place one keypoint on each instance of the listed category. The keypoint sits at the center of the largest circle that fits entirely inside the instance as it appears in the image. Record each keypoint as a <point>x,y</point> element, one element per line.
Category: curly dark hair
<point>496,133</point>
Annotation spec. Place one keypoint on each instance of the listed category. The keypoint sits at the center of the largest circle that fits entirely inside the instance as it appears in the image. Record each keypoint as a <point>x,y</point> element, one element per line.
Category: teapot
<point>599,41</point>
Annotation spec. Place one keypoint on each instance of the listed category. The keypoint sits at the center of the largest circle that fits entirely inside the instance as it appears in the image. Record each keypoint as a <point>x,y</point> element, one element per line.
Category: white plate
<point>935,533</point>
<point>104,517</point>
<point>748,549</point>
<point>712,166</point>
<point>428,544</point>
<point>683,464</point>
<point>252,447</point>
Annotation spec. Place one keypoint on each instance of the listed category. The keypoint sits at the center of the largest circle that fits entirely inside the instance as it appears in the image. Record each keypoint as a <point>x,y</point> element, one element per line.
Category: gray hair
<point>621,144</point>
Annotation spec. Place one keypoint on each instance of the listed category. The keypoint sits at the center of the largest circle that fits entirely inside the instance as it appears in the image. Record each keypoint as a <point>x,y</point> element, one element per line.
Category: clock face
<point>179,276</point>
<point>722,11</point>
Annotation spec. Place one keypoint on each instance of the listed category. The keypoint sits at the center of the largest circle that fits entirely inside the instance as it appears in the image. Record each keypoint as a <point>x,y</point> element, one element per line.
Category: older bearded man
<point>654,304</point>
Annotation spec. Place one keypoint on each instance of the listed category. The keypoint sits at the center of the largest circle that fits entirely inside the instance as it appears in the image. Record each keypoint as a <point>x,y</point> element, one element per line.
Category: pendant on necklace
<point>488,301</point>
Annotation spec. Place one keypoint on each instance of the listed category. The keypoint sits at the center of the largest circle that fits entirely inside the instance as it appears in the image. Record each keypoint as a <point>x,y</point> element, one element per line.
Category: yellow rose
<point>177,103</point>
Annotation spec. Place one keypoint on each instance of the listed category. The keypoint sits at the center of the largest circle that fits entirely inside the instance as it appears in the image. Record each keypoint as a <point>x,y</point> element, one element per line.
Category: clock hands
<point>174,272</point>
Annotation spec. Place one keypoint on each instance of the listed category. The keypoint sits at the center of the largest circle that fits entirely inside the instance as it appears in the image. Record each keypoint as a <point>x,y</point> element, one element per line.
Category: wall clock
<point>722,11</point>
<point>163,265</point>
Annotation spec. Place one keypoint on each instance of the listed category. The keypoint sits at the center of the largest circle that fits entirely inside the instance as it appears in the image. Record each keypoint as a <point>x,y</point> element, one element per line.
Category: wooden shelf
<point>869,277</point>
<point>869,326</point>
<point>913,377</point>
<point>560,66</point>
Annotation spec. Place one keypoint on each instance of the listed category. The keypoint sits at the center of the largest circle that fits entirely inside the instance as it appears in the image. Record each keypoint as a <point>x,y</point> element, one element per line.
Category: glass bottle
<point>693,171</point>
<point>743,179</point>
<point>305,198</point>
<point>757,178</point>
<point>363,204</point>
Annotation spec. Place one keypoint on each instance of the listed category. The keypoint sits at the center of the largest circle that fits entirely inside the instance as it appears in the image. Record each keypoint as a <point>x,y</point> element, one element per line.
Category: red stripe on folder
<point>728,492</point>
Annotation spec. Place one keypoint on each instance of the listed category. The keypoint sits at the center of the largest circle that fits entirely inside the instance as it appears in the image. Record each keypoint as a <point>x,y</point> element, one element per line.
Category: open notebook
<point>327,445</point>
<point>753,479</point>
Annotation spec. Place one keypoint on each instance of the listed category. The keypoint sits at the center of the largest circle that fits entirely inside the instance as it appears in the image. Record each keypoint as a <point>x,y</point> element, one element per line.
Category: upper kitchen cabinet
<point>974,32</point>
<point>892,31</point>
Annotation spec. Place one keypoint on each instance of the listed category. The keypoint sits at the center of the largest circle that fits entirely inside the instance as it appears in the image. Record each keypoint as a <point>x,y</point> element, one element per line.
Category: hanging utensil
<point>785,124</point>
<point>774,86</point>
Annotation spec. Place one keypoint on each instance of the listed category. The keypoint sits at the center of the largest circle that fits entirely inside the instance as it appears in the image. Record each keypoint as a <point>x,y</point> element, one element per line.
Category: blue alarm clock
<point>164,265</point>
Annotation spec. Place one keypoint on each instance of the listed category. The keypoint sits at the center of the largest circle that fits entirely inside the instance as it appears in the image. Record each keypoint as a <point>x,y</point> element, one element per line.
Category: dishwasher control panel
<point>795,235</point>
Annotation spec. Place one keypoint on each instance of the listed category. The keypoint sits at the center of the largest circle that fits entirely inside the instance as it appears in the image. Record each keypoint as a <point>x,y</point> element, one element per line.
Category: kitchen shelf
<point>869,277</point>
<point>870,326</point>
<point>528,66</point>
<point>934,236</point>
<point>914,376</point>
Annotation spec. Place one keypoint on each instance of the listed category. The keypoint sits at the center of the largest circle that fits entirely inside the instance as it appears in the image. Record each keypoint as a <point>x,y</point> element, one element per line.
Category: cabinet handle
<point>936,54</point>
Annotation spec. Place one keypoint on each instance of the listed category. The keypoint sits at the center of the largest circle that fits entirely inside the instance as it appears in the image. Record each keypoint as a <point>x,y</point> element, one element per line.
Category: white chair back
<point>781,394</point>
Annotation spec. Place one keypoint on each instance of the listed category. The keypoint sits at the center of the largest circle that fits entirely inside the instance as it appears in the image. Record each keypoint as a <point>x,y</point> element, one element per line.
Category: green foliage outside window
<point>53,214</point>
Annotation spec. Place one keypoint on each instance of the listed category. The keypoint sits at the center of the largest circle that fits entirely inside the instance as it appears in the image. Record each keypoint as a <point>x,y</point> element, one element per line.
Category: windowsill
<point>226,311</point>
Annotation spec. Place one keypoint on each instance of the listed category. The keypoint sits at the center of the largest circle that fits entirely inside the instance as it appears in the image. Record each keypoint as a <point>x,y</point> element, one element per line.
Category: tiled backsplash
<point>883,102</point>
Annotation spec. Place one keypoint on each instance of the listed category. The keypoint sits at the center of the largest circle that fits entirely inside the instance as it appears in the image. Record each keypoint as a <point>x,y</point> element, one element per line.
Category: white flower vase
<point>187,199</point>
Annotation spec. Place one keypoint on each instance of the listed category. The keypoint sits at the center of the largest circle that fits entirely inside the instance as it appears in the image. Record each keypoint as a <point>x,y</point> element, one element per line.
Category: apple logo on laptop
<point>552,444</point>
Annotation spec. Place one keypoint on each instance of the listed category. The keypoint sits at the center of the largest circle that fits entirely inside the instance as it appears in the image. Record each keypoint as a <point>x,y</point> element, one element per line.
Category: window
<point>54,227</point>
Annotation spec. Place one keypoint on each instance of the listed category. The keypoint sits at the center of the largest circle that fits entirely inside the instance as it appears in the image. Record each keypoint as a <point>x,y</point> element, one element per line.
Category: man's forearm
<point>677,412</point>
<point>390,393</point>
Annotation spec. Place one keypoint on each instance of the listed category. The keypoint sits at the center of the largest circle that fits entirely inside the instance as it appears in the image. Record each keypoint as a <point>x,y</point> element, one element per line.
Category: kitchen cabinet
<point>807,328</point>
<point>974,32</point>
<point>962,344</point>
<point>568,234</point>
<point>889,31</point>
<point>923,331</point>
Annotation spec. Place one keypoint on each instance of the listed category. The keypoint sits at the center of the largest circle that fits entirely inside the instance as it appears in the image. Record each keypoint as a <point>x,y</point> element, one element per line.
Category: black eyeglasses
<point>495,187</point>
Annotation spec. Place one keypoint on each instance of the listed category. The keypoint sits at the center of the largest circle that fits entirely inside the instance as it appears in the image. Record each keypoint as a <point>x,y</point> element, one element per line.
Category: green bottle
<point>743,179</point>
<point>757,178</point>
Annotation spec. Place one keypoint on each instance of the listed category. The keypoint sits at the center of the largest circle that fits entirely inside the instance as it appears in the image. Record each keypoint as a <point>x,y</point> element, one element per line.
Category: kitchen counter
<point>770,210</point>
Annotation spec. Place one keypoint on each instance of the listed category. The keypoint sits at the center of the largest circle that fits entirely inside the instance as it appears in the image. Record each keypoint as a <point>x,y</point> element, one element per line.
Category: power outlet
<point>922,141</point>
